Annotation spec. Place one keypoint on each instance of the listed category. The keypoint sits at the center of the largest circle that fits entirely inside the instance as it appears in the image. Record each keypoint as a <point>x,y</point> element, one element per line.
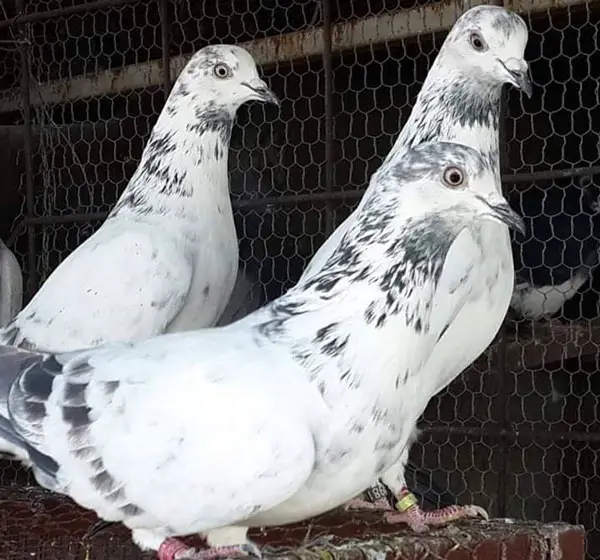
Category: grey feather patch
<point>131,510</point>
<point>213,118</point>
<point>76,416</point>
<point>74,394</point>
<point>110,387</point>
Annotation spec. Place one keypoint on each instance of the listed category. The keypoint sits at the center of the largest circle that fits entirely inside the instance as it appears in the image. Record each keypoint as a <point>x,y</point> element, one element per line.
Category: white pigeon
<point>289,412</point>
<point>11,285</point>
<point>166,258</point>
<point>459,102</point>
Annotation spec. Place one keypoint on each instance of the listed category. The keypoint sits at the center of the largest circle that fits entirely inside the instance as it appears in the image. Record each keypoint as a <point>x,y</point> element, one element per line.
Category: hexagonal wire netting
<point>82,84</point>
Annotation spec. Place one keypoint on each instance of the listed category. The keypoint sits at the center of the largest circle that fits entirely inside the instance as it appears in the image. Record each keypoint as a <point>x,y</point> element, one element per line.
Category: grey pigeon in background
<point>11,285</point>
<point>166,258</point>
<point>560,249</point>
<point>459,101</point>
<point>294,409</point>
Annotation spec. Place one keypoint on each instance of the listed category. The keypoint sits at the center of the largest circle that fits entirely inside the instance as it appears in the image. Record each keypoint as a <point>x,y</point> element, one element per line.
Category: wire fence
<point>81,84</point>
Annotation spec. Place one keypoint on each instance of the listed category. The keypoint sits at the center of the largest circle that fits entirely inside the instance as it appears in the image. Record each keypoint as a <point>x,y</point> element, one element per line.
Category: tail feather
<point>13,362</point>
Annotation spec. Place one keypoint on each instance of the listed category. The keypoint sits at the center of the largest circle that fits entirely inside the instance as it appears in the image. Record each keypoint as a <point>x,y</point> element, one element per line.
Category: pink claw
<point>420,521</point>
<point>174,549</point>
<point>170,549</point>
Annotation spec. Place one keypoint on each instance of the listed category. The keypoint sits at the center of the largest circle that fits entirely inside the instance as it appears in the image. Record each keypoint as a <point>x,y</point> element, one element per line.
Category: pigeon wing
<point>139,433</point>
<point>127,282</point>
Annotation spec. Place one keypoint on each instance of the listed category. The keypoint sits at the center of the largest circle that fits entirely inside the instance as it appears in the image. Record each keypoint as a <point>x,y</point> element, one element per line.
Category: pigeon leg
<point>174,549</point>
<point>381,504</point>
<point>376,498</point>
<point>410,513</point>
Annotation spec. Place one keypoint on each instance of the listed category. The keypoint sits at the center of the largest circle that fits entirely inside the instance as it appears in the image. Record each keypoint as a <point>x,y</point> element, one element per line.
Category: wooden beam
<point>371,31</point>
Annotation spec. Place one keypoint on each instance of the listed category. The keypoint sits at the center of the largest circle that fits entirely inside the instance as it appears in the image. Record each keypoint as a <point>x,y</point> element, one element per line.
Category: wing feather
<point>122,284</point>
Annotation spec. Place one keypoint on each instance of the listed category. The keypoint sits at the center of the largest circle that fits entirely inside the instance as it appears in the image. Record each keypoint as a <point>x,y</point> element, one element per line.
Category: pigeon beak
<point>518,72</point>
<point>262,91</point>
<point>502,212</point>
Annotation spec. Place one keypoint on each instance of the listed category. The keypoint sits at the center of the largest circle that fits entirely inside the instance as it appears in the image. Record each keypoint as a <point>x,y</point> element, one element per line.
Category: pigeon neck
<point>452,107</point>
<point>183,169</point>
<point>378,283</point>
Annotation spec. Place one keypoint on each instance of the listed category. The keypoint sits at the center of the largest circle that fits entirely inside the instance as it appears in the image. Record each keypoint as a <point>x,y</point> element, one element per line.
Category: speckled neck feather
<point>186,157</point>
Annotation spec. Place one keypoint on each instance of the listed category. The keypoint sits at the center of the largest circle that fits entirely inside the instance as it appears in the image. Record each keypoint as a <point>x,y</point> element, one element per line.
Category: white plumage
<point>166,258</point>
<point>11,285</point>
<point>460,102</point>
<point>288,412</point>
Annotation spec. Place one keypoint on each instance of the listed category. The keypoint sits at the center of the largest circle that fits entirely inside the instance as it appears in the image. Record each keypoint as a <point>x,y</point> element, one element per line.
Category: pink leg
<point>380,504</point>
<point>410,513</point>
<point>174,549</point>
<point>376,498</point>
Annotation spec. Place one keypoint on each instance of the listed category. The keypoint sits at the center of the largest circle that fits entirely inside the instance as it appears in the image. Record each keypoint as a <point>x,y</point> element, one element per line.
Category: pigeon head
<point>487,43</point>
<point>453,178</point>
<point>224,75</point>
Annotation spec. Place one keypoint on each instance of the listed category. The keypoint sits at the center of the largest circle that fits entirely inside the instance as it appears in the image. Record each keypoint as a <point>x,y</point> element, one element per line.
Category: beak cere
<point>507,215</point>
<point>262,91</point>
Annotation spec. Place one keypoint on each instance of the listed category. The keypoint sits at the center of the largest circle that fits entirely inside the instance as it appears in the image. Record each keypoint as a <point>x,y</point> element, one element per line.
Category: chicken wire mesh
<point>82,84</point>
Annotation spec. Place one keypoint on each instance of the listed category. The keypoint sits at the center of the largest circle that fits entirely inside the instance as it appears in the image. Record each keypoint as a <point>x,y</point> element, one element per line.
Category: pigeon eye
<point>221,71</point>
<point>477,42</point>
<point>454,177</point>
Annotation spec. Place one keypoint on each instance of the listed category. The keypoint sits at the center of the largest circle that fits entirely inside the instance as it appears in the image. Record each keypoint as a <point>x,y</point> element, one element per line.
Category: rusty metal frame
<point>328,121</point>
<point>322,197</point>
<point>369,32</point>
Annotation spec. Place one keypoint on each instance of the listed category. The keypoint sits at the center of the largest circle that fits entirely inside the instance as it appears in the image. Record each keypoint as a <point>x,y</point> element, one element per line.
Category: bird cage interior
<point>82,85</point>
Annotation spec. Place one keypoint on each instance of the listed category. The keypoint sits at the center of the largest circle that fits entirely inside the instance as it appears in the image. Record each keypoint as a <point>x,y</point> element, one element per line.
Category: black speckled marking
<point>212,118</point>
<point>76,416</point>
<point>330,341</point>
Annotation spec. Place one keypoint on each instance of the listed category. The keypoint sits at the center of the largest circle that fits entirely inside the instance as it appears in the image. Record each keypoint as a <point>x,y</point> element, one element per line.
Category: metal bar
<point>503,397</point>
<point>530,435</point>
<point>252,204</point>
<point>383,28</point>
<point>27,149</point>
<point>328,71</point>
<point>61,12</point>
<point>287,200</point>
<point>550,174</point>
<point>502,349</point>
<point>165,34</point>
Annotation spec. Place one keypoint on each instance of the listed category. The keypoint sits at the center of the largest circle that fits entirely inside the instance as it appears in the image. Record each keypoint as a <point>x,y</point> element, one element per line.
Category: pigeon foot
<point>376,498</point>
<point>410,513</point>
<point>174,549</point>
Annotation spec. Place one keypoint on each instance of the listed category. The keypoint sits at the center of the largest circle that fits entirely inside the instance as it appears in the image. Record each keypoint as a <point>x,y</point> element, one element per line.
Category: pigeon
<point>11,285</point>
<point>309,390</point>
<point>459,102</point>
<point>560,249</point>
<point>166,258</point>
